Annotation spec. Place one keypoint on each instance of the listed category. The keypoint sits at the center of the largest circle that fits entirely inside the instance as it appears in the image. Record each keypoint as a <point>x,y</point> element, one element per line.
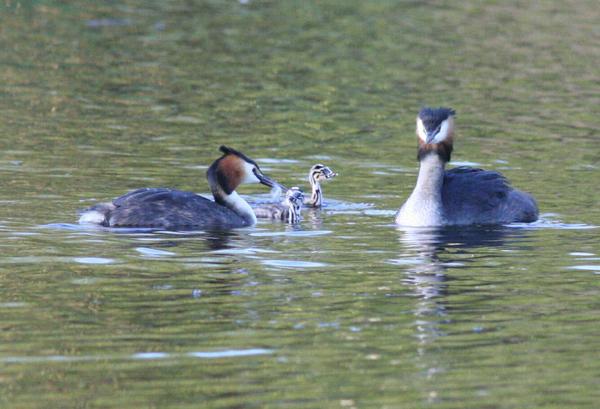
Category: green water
<point>346,310</point>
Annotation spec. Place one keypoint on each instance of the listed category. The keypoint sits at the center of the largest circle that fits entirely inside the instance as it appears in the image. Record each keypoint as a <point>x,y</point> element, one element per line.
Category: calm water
<point>345,310</point>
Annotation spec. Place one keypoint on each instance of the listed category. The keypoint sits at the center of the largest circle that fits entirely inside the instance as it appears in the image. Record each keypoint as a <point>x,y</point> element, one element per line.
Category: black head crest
<point>433,117</point>
<point>230,151</point>
<point>227,150</point>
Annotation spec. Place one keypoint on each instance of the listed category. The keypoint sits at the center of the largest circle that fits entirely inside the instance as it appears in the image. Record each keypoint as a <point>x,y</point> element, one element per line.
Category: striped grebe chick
<point>462,195</point>
<point>317,174</point>
<point>175,209</point>
<point>287,211</point>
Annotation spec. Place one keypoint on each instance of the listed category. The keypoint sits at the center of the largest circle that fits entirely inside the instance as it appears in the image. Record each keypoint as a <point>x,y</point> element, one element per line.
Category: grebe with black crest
<point>175,209</point>
<point>459,196</point>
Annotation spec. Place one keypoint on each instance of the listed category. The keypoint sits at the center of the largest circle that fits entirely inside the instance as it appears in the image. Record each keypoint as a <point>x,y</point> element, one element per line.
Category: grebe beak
<point>430,136</point>
<point>267,181</point>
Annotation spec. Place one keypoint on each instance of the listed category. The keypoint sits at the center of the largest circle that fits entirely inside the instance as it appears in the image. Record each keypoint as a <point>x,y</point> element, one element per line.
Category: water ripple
<point>146,251</point>
<point>93,260</point>
<point>293,263</point>
<point>227,353</point>
<point>297,233</point>
<point>591,267</point>
<point>547,221</point>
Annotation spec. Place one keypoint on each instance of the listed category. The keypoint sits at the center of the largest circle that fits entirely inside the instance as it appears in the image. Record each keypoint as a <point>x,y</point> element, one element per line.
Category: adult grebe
<point>318,173</point>
<point>462,195</point>
<point>175,209</point>
<point>288,210</point>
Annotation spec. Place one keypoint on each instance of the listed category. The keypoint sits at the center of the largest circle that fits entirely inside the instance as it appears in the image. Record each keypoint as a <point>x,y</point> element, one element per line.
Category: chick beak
<point>329,174</point>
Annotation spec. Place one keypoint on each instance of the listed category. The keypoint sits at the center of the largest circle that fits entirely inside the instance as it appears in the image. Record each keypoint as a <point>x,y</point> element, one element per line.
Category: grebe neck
<point>431,177</point>
<point>235,202</point>
<point>424,206</point>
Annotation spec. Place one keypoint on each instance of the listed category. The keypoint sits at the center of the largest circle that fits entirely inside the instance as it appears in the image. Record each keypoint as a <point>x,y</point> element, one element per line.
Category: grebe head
<point>435,131</point>
<point>320,172</point>
<point>233,169</point>
<point>294,199</point>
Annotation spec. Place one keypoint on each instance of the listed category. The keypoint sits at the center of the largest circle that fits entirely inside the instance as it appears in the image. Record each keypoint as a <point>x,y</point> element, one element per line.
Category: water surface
<point>344,310</point>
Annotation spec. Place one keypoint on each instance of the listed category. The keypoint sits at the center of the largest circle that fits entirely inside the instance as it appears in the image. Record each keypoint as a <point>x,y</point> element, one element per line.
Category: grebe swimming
<point>462,195</point>
<point>317,174</point>
<point>288,210</point>
<point>175,209</point>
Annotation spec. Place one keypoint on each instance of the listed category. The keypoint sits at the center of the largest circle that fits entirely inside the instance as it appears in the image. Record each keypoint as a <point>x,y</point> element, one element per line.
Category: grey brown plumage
<point>477,196</point>
<point>168,209</point>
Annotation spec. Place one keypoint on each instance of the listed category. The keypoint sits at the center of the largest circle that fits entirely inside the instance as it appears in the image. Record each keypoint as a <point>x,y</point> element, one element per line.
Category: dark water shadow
<point>215,239</point>
<point>434,240</point>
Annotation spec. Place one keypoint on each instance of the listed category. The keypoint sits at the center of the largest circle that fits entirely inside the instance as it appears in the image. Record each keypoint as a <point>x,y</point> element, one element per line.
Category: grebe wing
<point>484,196</point>
<point>146,194</point>
<point>170,208</point>
<point>136,194</point>
<point>473,191</point>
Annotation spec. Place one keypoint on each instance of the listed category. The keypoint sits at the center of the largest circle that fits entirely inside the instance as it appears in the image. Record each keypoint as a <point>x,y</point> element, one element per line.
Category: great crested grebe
<point>288,210</point>
<point>462,195</point>
<point>176,209</point>
<point>317,174</point>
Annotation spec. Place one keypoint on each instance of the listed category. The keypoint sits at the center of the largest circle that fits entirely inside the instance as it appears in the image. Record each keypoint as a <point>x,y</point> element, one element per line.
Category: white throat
<point>240,207</point>
<point>316,196</point>
<point>443,133</point>
<point>424,206</point>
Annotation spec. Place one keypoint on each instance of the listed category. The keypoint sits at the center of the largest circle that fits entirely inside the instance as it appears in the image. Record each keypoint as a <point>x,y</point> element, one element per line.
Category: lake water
<point>345,310</point>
